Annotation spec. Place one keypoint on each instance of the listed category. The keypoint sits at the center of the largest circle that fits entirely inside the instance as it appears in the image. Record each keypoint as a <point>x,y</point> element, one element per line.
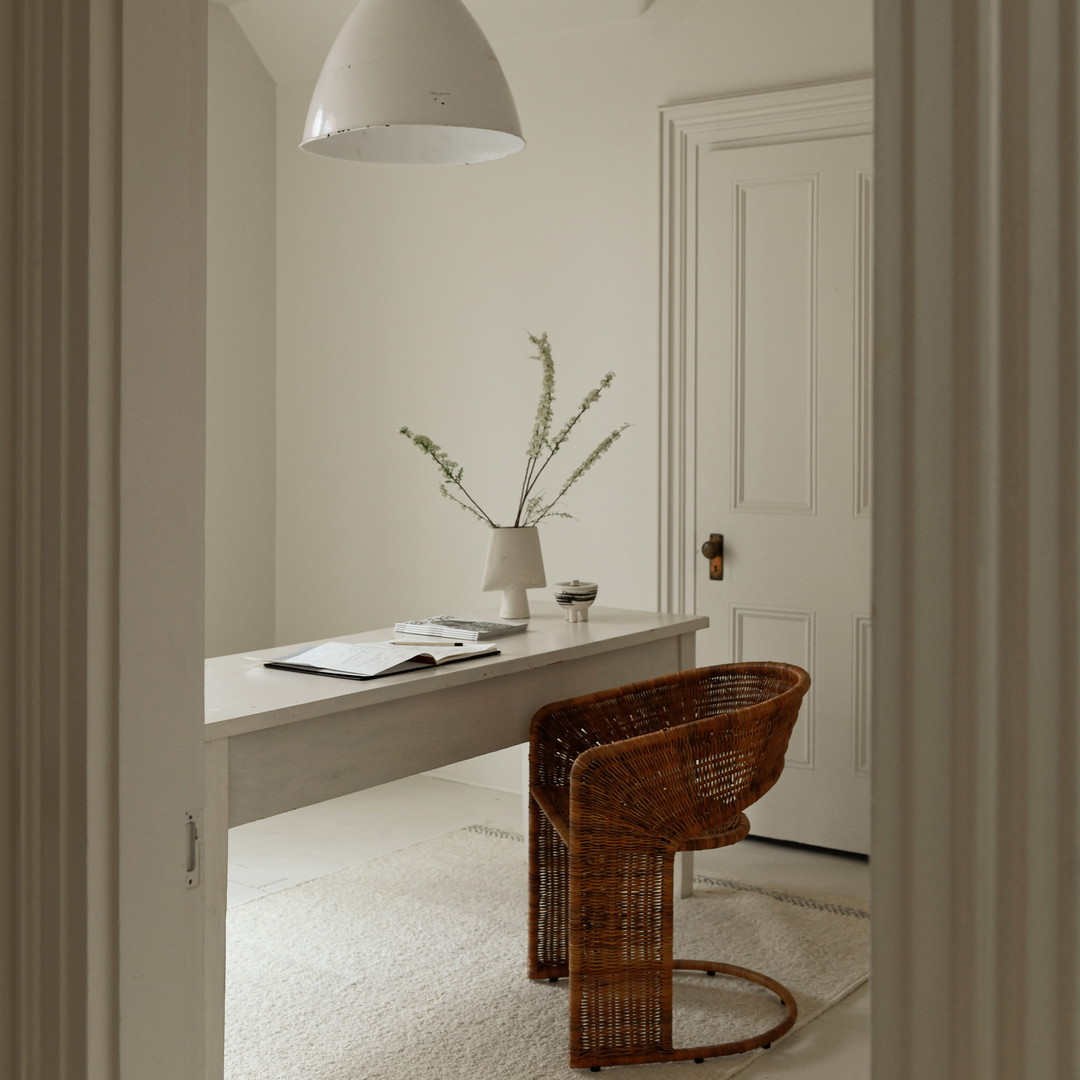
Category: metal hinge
<point>193,849</point>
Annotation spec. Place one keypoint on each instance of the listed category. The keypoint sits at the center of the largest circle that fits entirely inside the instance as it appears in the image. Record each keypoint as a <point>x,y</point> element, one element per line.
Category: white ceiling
<point>292,37</point>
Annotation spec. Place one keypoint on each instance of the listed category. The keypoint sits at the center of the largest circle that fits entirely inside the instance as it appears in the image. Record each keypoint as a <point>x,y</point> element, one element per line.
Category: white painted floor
<point>283,851</point>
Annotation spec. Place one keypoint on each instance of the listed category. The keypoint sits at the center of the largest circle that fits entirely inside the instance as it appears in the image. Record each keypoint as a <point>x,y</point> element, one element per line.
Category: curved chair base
<point>700,1053</point>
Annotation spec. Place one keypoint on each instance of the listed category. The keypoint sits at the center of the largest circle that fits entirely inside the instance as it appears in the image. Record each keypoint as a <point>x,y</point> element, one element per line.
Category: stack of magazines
<point>450,626</point>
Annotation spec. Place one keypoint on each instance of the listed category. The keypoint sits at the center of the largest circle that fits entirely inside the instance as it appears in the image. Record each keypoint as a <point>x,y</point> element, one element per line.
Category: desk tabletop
<point>243,696</point>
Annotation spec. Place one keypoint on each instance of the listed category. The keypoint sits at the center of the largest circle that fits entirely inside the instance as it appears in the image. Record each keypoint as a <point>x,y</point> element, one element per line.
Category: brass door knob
<point>713,550</point>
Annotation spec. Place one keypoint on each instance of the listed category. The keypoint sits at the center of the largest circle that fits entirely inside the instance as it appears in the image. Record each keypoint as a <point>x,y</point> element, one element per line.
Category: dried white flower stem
<point>531,505</point>
<point>452,474</point>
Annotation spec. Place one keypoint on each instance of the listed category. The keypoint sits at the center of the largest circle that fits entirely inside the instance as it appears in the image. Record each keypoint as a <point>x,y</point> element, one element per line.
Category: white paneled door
<point>783,243</point>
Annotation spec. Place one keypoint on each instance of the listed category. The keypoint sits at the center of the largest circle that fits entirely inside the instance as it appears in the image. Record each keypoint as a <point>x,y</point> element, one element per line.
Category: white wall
<point>241,332</point>
<point>406,295</point>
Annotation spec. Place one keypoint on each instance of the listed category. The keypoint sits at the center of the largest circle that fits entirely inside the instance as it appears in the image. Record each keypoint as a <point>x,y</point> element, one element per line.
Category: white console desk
<point>277,740</point>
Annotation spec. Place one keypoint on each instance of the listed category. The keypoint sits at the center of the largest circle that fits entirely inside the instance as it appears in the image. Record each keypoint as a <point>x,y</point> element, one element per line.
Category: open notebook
<point>371,659</point>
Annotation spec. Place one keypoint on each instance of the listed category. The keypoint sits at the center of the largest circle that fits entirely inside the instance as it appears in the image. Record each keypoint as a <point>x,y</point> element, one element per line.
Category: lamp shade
<point>412,82</point>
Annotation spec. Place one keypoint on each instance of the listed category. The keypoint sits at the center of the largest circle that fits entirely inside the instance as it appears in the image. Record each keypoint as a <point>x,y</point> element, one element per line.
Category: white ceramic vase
<point>514,564</point>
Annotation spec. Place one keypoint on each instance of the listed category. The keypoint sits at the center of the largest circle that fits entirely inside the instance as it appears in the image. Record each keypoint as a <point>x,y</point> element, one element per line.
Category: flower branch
<point>532,505</point>
<point>452,473</point>
<point>537,513</point>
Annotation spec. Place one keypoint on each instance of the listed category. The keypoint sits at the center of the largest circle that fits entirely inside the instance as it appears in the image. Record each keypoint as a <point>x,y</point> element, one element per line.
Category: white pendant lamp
<point>412,82</point>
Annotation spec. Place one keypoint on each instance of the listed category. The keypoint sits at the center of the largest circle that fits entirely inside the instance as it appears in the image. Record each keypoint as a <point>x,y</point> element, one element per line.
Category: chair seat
<point>555,808</point>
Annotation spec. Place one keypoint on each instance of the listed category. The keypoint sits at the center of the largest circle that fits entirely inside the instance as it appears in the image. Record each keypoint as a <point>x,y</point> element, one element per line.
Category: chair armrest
<point>560,732</point>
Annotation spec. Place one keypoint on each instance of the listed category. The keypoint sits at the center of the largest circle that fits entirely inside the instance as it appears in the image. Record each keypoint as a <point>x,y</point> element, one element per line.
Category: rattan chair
<point>619,782</point>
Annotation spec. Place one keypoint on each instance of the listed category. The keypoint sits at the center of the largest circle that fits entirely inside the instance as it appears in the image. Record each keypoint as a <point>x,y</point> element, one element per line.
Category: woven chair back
<point>681,755</point>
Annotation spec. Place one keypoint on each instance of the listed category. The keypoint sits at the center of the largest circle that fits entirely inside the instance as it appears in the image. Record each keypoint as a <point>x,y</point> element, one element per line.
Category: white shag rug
<point>412,967</point>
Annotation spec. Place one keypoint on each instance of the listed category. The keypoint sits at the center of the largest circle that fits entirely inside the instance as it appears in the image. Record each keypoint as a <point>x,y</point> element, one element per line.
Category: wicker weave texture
<point>620,781</point>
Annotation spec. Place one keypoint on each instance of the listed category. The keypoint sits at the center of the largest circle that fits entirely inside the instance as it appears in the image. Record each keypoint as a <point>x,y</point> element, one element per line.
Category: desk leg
<point>687,651</point>
<point>215,885</point>
<point>684,874</point>
<point>684,860</point>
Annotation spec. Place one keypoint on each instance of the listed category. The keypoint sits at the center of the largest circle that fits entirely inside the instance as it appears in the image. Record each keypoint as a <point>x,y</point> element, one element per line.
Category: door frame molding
<point>812,111</point>
<point>976,551</point>
<point>102,399</point>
